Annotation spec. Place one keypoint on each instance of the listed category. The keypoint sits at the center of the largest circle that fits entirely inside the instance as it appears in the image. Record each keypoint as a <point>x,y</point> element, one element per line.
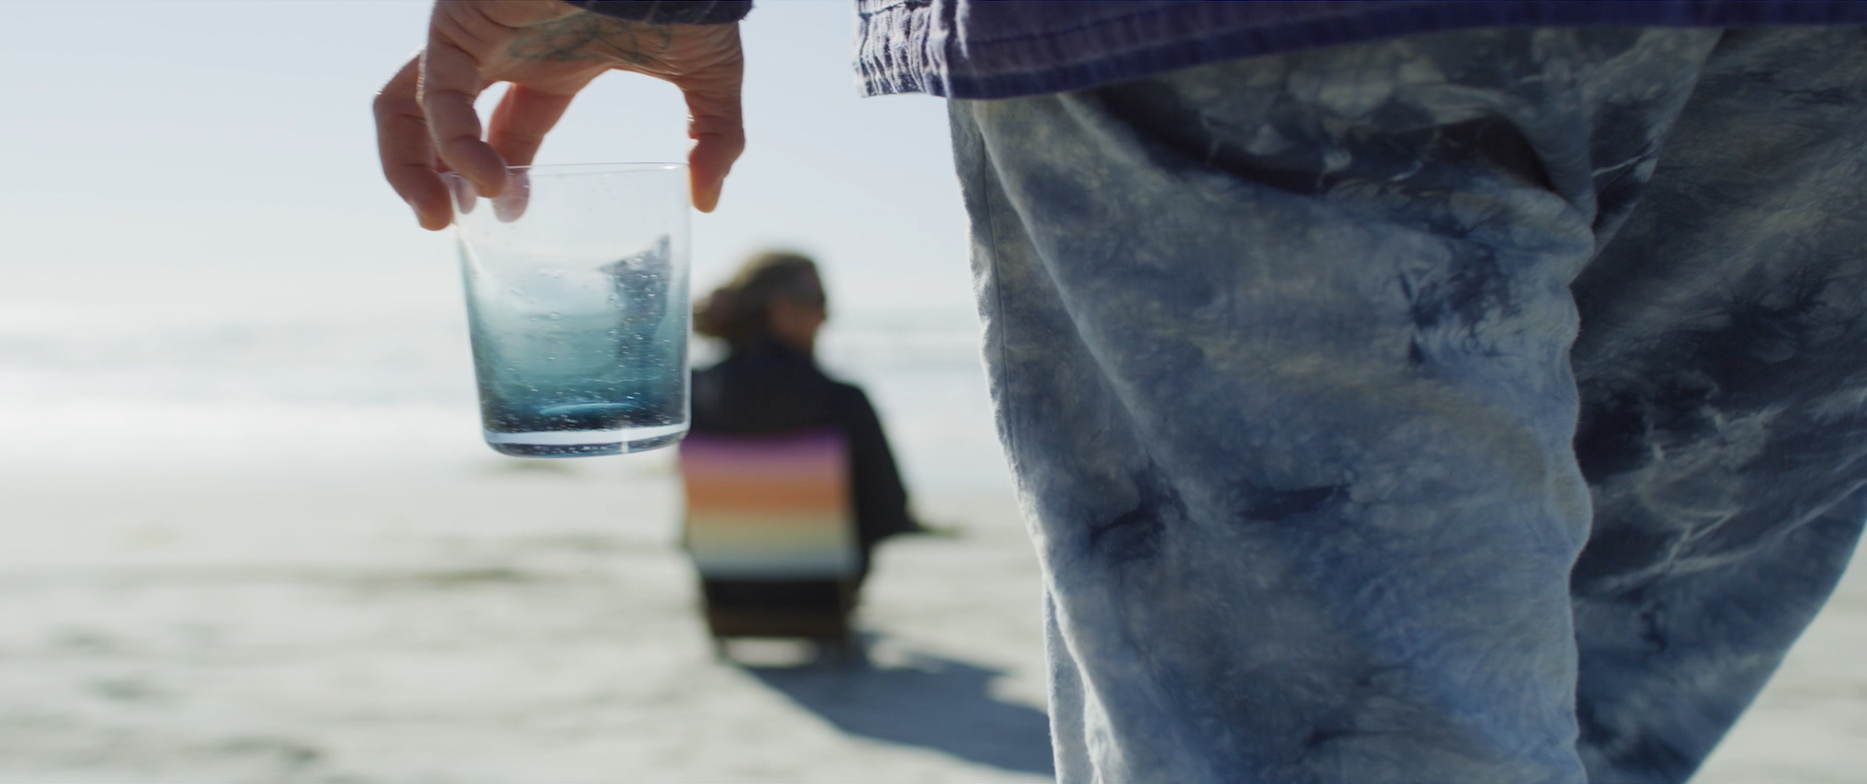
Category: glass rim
<point>551,170</point>
<point>597,168</point>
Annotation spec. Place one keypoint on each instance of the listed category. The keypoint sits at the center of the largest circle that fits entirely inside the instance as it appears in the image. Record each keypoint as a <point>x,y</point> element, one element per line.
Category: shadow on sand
<point>928,701</point>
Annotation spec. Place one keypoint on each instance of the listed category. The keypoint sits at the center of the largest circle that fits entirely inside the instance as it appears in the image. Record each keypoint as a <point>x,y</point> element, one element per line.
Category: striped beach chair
<point>772,534</point>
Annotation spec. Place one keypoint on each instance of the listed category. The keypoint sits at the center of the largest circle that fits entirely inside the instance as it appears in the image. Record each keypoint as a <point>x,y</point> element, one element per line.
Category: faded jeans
<point>1473,407</point>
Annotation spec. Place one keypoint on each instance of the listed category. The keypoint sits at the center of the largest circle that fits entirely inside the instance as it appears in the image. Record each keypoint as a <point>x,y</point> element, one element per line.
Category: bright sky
<point>204,134</point>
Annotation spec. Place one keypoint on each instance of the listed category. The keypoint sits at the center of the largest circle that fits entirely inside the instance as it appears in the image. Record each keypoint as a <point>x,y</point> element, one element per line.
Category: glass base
<point>584,443</point>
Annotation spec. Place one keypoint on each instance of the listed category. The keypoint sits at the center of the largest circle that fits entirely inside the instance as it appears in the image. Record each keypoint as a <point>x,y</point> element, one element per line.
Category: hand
<point>426,124</point>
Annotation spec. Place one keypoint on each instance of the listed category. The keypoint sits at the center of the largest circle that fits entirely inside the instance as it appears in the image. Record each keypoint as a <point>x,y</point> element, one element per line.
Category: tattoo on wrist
<point>587,36</point>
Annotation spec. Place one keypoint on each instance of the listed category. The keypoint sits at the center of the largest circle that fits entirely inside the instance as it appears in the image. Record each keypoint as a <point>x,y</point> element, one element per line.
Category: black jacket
<point>772,388</point>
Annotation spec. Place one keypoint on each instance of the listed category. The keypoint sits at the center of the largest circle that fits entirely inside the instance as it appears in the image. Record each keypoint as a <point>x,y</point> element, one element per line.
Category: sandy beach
<point>266,546</point>
<point>532,621</point>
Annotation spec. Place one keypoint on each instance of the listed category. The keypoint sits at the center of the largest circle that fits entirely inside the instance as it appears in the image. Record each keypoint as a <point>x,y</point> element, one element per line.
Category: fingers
<point>717,127</point>
<point>521,121</point>
<point>518,128</point>
<point>716,123</point>
<point>450,80</point>
<point>407,156</point>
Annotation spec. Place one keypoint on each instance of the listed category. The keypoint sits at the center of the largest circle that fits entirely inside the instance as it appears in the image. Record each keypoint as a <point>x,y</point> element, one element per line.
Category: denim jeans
<point>1472,407</point>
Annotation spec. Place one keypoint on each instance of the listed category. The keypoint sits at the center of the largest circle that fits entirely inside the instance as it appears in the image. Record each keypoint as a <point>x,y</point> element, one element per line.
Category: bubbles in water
<point>566,339</point>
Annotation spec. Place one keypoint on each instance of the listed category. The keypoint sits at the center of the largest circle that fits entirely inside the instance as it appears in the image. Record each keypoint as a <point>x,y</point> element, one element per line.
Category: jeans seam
<point>986,186</point>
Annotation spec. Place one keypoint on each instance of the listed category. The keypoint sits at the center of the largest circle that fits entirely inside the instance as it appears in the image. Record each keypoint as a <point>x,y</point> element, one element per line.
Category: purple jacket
<point>1009,48</point>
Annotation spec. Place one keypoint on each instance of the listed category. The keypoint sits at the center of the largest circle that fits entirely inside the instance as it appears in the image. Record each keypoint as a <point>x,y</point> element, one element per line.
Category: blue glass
<point>580,347</point>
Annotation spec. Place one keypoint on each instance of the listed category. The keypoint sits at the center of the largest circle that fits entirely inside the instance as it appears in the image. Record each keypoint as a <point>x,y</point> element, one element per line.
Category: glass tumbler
<point>577,304</point>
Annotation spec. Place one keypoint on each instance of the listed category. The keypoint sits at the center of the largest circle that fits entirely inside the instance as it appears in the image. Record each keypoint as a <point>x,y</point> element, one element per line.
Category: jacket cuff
<point>703,12</point>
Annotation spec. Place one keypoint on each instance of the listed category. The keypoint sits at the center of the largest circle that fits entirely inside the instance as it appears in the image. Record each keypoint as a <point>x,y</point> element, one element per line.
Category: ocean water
<point>367,372</point>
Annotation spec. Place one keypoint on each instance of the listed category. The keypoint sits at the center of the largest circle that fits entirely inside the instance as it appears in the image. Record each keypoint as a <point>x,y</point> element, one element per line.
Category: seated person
<point>769,383</point>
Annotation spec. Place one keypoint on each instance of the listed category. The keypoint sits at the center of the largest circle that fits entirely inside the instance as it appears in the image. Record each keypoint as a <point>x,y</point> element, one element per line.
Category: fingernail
<point>510,205</point>
<point>462,191</point>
